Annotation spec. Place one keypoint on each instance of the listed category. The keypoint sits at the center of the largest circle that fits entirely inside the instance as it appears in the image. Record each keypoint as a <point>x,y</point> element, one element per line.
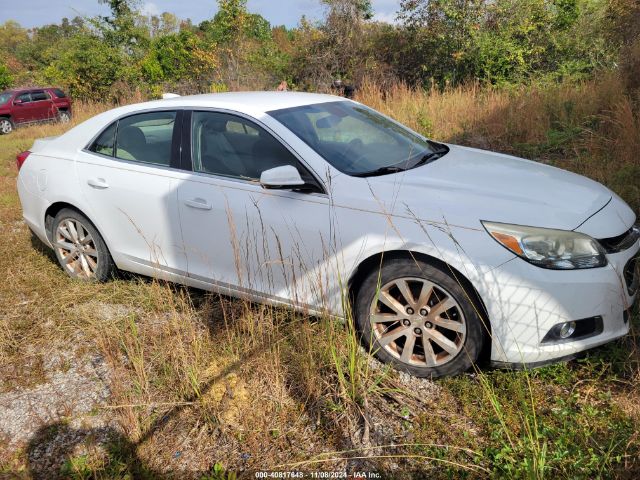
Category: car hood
<point>468,185</point>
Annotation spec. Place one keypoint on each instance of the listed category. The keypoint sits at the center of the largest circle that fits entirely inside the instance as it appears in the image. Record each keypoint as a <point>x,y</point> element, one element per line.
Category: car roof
<point>254,104</point>
<point>248,102</point>
<point>28,89</point>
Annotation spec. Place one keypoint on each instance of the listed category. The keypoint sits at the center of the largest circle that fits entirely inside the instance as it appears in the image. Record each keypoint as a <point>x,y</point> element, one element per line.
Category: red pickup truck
<point>32,105</point>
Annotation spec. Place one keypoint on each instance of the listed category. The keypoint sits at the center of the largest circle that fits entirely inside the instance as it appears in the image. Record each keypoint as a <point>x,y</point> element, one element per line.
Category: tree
<point>335,50</point>
<point>120,30</point>
<point>442,36</point>
<point>12,36</point>
<point>229,22</point>
<point>160,25</point>
<point>179,57</point>
<point>354,9</point>
<point>88,67</point>
<point>500,41</point>
<point>5,77</point>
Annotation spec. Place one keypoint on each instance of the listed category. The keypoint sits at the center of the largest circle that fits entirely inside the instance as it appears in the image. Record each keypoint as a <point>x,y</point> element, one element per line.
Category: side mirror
<point>17,102</point>
<point>285,177</point>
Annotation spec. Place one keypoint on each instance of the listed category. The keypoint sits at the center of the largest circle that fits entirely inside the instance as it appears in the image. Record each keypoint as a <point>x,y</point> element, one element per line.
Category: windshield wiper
<point>380,171</point>
<point>431,156</point>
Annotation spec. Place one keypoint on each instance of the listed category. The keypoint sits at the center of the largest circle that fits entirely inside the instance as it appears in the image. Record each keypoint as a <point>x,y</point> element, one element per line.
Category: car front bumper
<point>525,302</point>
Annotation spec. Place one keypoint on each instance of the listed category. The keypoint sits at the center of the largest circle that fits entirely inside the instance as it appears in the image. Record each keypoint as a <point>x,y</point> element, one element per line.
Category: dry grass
<point>196,379</point>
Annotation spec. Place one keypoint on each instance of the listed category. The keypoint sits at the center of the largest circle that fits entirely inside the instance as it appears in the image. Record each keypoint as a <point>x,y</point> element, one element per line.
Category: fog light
<point>574,330</point>
<point>567,329</point>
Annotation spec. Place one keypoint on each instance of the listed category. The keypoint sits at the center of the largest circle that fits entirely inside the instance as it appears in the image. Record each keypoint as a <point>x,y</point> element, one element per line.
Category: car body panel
<point>302,249</point>
<point>615,218</point>
<point>237,233</point>
<point>470,184</point>
<point>139,203</point>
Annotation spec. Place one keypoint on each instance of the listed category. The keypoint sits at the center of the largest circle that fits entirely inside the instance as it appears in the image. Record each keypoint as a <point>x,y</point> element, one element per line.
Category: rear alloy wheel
<point>64,117</point>
<point>6,126</point>
<point>419,319</point>
<point>79,248</point>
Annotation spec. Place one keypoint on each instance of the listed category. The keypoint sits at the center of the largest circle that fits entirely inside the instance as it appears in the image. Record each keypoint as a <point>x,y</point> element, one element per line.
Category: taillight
<point>21,158</point>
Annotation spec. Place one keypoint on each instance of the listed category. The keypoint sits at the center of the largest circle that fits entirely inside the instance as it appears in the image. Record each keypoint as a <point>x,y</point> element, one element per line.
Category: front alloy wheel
<point>419,318</point>
<point>5,126</point>
<point>418,322</point>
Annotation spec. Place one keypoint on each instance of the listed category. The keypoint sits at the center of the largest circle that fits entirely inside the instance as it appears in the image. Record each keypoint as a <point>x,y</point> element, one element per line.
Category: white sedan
<point>440,252</point>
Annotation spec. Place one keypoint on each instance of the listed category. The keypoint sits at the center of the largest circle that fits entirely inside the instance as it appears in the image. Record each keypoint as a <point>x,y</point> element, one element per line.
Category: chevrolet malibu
<point>438,252</point>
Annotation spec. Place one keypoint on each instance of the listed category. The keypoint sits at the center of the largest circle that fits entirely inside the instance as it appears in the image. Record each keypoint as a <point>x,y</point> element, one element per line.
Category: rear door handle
<point>100,183</point>
<point>200,203</point>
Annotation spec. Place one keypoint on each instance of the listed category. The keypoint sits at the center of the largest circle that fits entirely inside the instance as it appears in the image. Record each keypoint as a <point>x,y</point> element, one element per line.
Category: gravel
<point>73,388</point>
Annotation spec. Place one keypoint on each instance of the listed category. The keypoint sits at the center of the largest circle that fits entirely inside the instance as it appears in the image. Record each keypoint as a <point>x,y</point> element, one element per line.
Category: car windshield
<point>4,97</point>
<point>356,139</point>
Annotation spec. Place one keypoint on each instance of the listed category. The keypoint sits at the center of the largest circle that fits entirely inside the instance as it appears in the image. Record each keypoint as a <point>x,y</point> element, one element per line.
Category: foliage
<point>434,43</point>
<point>505,40</point>
<point>87,67</point>
<point>5,77</point>
<point>176,57</point>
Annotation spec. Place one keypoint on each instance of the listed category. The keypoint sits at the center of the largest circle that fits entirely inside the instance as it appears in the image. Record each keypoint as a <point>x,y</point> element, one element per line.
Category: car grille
<point>621,242</point>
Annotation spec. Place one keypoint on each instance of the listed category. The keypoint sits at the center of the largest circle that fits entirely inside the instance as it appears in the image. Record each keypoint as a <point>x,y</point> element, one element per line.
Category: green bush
<point>5,77</point>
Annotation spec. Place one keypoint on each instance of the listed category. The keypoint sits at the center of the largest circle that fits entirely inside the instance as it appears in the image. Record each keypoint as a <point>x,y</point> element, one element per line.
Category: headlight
<point>547,248</point>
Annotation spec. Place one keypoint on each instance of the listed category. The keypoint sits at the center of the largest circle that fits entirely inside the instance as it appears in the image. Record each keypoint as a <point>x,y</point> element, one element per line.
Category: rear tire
<point>79,247</point>
<point>416,317</point>
<point>6,126</point>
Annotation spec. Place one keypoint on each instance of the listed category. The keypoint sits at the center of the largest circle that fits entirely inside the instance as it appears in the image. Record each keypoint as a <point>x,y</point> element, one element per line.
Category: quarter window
<point>224,144</point>
<point>106,141</point>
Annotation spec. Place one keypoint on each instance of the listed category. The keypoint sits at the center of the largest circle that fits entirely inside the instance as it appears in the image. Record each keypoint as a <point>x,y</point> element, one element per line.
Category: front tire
<point>6,126</point>
<point>79,247</point>
<point>64,116</point>
<point>416,317</point>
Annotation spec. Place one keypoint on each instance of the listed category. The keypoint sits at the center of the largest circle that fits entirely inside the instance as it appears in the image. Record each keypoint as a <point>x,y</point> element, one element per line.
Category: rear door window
<point>146,138</point>
<point>39,95</point>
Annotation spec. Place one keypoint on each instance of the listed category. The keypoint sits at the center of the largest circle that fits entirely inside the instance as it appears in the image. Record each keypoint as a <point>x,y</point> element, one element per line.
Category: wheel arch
<point>375,260</point>
<point>53,209</point>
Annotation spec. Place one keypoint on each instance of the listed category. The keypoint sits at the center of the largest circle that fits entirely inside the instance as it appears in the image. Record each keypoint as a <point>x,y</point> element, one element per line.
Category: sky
<point>34,13</point>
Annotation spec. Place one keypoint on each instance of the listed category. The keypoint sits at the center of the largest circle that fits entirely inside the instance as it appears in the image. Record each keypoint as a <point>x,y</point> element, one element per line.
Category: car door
<point>21,110</point>
<point>239,236</point>
<point>128,179</point>
<point>41,107</point>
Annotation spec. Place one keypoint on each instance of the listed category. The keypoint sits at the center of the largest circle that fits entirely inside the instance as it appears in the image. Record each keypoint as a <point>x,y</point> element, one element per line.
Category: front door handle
<point>200,203</point>
<point>100,183</point>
